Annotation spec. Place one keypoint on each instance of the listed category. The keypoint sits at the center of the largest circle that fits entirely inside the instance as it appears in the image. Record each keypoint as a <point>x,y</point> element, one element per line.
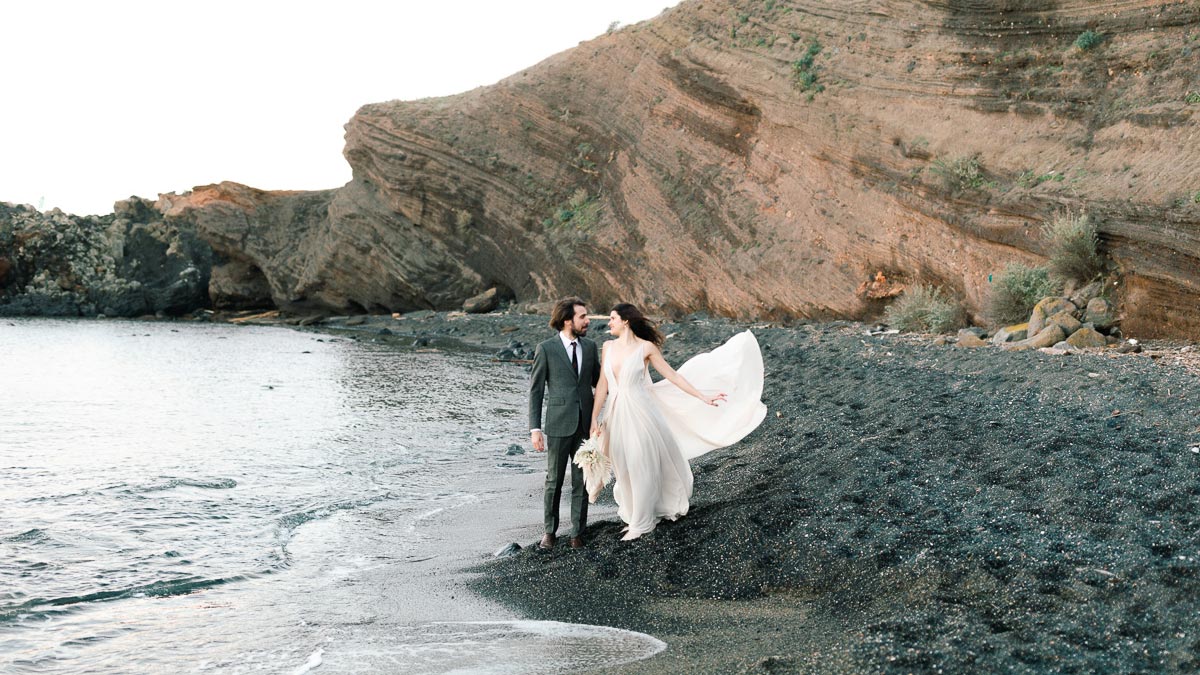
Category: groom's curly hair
<point>564,311</point>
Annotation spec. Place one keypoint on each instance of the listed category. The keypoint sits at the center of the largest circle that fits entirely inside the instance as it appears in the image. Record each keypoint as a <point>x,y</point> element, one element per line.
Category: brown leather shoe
<point>576,542</point>
<point>548,541</point>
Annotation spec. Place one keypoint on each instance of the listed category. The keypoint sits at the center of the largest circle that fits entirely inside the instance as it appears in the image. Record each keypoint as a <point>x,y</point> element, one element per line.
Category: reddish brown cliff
<point>762,159</point>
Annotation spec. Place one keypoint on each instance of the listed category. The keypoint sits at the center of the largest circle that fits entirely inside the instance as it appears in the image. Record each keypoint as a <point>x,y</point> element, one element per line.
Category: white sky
<point>104,99</point>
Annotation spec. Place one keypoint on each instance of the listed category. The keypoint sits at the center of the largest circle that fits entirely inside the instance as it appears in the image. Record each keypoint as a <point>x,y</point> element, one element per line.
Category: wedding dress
<point>651,430</point>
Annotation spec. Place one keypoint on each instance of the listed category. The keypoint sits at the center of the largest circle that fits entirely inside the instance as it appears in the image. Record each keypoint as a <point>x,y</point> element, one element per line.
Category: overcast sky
<point>106,99</point>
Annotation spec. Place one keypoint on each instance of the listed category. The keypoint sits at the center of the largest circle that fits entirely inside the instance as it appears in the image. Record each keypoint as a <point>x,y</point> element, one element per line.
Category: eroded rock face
<point>128,263</point>
<point>330,250</point>
<point>758,160</point>
<point>765,159</point>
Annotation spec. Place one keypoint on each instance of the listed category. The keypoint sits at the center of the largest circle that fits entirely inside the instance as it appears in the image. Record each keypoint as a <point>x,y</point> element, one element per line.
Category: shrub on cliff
<point>1073,248</point>
<point>1088,39</point>
<point>924,309</point>
<point>1017,290</point>
<point>804,70</point>
<point>958,174</point>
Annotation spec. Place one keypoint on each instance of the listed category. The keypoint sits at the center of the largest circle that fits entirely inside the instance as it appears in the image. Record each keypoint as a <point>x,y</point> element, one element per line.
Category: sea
<point>193,497</point>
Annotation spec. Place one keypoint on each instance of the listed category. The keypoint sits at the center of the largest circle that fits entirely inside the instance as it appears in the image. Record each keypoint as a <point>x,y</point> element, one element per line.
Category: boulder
<point>1064,320</point>
<point>1083,296</point>
<point>482,303</point>
<point>1048,337</point>
<point>1099,313</point>
<point>969,338</point>
<point>1046,308</point>
<point>1013,333</point>
<point>1085,338</point>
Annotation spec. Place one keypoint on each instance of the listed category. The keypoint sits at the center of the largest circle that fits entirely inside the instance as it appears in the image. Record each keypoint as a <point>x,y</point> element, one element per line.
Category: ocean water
<point>180,497</point>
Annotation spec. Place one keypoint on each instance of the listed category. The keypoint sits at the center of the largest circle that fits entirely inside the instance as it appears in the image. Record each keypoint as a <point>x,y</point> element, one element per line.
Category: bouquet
<point>597,469</point>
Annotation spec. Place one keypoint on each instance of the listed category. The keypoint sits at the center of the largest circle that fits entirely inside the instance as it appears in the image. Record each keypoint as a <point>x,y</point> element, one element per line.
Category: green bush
<point>1073,248</point>
<point>1088,39</point>
<point>961,173</point>
<point>924,309</point>
<point>804,71</point>
<point>578,198</point>
<point>1192,97</point>
<point>1017,290</point>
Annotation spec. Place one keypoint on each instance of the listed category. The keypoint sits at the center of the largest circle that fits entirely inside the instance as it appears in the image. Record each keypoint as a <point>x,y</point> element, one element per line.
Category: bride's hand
<point>595,433</point>
<point>714,400</point>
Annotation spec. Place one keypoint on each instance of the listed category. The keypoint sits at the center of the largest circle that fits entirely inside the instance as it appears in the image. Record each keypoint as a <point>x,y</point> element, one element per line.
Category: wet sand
<point>907,506</point>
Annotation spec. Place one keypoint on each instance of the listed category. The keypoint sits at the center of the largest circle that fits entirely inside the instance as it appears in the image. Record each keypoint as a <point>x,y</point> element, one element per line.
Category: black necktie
<point>574,359</point>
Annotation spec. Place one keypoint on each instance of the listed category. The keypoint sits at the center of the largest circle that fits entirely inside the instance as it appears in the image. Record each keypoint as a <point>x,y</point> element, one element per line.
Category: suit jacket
<point>553,380</point>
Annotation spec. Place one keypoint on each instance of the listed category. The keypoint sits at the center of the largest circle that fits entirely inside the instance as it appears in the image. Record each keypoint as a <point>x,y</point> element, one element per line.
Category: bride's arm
<point>601,393</point>
<point>660,364</point>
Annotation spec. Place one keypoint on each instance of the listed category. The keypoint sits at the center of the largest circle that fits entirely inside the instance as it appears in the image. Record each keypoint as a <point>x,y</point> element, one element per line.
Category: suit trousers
<point>560,450</point>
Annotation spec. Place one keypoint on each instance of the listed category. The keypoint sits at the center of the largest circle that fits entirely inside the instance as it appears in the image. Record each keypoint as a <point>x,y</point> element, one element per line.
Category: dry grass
<point>1017,290</point>
<point>1074,244</point>
<point>924,309</point>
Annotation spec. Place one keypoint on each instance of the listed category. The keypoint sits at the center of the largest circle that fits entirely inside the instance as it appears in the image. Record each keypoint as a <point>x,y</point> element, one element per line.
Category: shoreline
<point>844,534</point>
<point>907,506</point>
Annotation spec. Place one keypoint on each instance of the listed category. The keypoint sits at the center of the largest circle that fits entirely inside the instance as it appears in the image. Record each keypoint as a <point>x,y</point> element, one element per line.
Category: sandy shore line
<point>908,506</point>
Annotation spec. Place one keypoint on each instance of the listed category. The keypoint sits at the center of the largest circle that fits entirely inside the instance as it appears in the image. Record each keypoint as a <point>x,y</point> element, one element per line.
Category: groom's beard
<point>582,332</point>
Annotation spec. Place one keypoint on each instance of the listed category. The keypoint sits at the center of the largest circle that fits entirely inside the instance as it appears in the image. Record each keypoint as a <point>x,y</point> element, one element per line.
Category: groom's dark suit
<point>568,399</point>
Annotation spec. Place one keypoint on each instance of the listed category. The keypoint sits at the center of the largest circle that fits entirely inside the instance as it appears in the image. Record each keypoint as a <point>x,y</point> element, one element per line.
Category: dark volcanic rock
<point>129,263</point>
<point>484,302</point>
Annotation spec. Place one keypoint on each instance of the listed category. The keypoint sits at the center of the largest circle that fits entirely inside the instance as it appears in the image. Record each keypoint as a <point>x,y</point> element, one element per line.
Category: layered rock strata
<point>761,160</point>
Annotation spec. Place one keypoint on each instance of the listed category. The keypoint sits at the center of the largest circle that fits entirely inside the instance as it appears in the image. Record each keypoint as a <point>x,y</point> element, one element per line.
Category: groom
<point>565,369</point>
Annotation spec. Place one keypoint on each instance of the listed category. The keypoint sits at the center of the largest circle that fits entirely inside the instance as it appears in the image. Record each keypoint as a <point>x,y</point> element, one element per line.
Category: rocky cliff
<point>128,263</point>
<point>762,159</point>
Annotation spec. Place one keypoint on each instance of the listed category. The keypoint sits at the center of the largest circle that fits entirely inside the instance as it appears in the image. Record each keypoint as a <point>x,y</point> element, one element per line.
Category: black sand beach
<point>907,506</point>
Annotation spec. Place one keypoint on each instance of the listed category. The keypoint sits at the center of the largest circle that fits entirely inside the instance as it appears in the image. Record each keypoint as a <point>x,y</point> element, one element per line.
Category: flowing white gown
<point>653,429</point>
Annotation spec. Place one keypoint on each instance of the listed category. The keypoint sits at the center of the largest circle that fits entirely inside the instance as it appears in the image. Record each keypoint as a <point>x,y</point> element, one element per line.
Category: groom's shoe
<point>576,542</point>
<point>547,542</point>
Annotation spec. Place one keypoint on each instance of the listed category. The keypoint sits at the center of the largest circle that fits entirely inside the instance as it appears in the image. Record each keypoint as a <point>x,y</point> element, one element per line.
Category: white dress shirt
<point>578,352</point>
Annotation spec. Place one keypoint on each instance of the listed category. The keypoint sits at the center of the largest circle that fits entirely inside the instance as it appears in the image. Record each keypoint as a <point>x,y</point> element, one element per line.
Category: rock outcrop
<point>128,263</point>
<point>760,159</point>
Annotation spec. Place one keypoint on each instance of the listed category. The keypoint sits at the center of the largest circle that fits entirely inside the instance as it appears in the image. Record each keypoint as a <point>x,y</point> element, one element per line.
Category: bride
<point>651,430</point>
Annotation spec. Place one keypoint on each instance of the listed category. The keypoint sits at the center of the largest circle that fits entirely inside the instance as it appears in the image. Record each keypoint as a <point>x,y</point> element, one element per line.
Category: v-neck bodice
<point>614,380</point>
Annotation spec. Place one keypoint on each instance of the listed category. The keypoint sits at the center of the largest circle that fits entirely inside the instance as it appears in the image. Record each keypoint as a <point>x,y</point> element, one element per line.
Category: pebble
<point>505,551</point>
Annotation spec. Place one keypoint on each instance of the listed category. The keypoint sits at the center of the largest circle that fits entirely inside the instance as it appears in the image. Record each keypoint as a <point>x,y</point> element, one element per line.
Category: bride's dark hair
<point>638,323</point>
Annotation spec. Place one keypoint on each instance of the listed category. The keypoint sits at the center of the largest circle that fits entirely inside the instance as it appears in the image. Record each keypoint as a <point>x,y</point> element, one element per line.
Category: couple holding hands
<point>648,430</point>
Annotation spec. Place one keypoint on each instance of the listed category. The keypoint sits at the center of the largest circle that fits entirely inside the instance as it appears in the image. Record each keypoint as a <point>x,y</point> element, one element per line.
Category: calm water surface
<point>187,497</point>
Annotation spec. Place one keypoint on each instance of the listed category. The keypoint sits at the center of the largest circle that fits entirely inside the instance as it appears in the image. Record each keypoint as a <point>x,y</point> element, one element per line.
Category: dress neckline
<point>613,369</point>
